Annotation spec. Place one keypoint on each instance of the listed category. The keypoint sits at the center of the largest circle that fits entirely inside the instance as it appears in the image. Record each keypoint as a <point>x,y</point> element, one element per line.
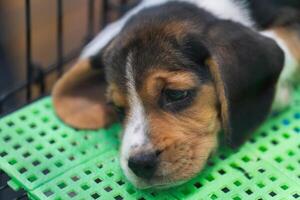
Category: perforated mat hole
<point>249,192</point>
<point>32,178</point>
<point>263,148</point>
<point>64,135</point>
<point>237,183</point>
<point>23,117</point>
<point>284,187</point>
<point>222,171</point>
<point>119,197</point>
<point>297,116</point>
<point>286,135</point>
<point>263,134</point>
<point>274,142</point>
<point>222,157</point>
<point>95,196</point>
<point>36,163</point>
<point>71,158</point>
<point>272,178</point>
<point>186,191</point>
<point>290,168</point>
<point>7,138</point>
<point>272,194</point>
<point>74,143</point>
<point>130,190</point>
<point>197,185</point>
<point>142,198</point>
<point>42,133</point>
<point>236,198</point>
<point>49,155</point>
<point>12,161</point>
<point>52,141</point>
<point>120,182</point>
<point>22,170</point>
<point>109,174</point>
<point>252,140</point>
<point>246,159</point>
<point>29,139</point>
<point>261,170</point>
<point>225,189</point>
<point>108,189</point>
<point>55,127</point>
<point>26,154</point>
<point>87,172</point>
<point>58,164</point>
<point>35,112</point>
<point>260,184</point>
<point>285,122</point>
<point>48,193</point>
<point>46,171</point>
<point>85,187</point>
<point>62,185</point>
<point>10,123</point>
<point>296,195</point>
<point>75,178</point>
<point>72,194</point>
<point>209,178</point>
<point>3,154</point>
<point>39,147</point>
<point>99,166</point>
<point>278,159</point>
<point>213,196</point>
<point>32,125</point>
<point>16,146</point>
<point>61,149</point>
<point>98,180</point>
<point>275,128</point>
<point>291,153</point>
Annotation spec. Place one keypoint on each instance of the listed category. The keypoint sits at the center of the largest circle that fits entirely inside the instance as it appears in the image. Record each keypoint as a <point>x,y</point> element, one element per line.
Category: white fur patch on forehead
<point>135,130</point>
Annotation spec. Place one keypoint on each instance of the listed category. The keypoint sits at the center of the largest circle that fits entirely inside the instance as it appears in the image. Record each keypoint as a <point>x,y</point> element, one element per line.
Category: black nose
<point>143,165</point>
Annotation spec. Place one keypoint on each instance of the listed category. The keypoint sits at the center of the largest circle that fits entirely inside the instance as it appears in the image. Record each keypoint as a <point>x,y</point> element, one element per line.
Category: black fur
<point>249,63</point>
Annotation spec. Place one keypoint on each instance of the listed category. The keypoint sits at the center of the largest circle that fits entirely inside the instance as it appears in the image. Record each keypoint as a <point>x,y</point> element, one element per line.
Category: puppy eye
<point>176,95</point>
<point>176,100</point>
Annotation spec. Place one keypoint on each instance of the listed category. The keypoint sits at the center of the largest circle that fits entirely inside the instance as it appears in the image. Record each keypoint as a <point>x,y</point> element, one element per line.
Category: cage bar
<point>28,49</point>
<point>59,37</point>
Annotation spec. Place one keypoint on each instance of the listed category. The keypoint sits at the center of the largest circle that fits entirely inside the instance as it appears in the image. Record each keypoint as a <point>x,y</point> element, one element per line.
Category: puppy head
<point>177,83</point>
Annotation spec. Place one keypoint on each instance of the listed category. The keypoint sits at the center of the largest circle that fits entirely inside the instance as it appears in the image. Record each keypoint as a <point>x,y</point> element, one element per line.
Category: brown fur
<point>185,138</point>
<point>219,86</point>
<point>115,95</point>
<point>79,99</point>
<point>292,39</point>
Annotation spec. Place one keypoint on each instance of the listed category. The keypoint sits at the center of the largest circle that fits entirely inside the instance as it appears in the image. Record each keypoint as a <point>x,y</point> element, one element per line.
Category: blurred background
<point>39,40</point>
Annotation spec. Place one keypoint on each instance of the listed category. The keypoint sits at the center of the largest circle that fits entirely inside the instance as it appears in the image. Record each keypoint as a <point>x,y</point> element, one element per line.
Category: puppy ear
<point>245,67</point>
<point>79,97</point>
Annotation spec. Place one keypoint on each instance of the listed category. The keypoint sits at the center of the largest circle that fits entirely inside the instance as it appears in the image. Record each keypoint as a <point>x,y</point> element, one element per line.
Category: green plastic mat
<point>52,161</point>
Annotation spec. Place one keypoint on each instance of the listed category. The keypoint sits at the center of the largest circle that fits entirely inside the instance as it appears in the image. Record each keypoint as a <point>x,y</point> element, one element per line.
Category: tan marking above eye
<point>158,79</point>
<point>115,95</point>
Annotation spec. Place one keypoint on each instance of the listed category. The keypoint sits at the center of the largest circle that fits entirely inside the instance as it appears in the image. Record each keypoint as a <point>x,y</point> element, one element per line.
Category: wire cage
<point>35,74</point>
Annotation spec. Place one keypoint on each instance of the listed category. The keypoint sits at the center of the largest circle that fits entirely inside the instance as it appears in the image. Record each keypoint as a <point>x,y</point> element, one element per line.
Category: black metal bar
<point>49,69</point>
<point>91,20</point>
<point>59,37</point>
<point>28,49</point>
<point>104,11</point>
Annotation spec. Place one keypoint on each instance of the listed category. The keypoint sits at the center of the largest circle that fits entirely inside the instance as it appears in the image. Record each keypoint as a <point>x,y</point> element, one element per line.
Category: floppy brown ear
<point>245,67</point>
<point>79,97</point>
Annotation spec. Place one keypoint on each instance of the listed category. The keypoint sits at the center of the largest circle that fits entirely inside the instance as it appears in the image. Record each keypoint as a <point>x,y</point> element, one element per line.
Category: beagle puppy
<point>179,73</point>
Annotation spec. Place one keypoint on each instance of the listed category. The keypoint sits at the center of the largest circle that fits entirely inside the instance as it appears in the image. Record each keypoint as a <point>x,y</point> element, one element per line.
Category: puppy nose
<point>143,165</point>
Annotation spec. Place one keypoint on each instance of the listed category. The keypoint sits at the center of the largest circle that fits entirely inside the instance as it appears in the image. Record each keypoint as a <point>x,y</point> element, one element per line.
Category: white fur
<point>284,86</point>
<point>135,131</point>
<point>224,9</point>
